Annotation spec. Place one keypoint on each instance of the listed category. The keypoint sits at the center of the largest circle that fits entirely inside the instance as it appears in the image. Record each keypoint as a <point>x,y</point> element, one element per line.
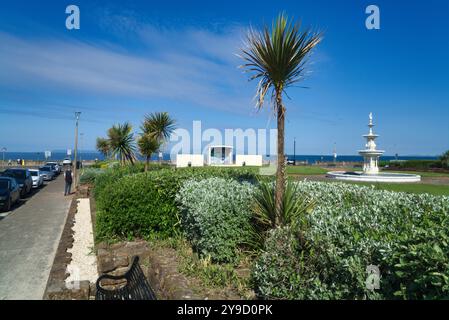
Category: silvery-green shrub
<point>215,216</point>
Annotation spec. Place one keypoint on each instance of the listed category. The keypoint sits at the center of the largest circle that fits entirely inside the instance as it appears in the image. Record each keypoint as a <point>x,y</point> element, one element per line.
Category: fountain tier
<point>371,164</point>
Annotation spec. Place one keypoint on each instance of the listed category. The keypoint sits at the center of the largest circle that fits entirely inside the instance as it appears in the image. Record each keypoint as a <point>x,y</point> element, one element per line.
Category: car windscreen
<point>19,174</point>
<point>45,169</point>
<point>4,184</point>
<point>34,173</point>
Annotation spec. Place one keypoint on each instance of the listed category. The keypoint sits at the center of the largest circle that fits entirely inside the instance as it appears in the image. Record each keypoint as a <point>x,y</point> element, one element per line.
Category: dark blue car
<point>23,179</point>
<point>9,193</point>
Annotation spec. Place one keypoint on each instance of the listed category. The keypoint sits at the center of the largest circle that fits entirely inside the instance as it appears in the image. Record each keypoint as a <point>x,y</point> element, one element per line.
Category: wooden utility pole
<point>75,171</point>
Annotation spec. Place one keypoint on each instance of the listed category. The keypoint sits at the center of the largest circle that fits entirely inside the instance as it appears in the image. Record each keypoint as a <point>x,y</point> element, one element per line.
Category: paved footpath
<point>29,237</point>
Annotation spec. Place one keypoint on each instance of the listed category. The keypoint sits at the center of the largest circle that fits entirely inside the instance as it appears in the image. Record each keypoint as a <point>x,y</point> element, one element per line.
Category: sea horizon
<point>309,158</point>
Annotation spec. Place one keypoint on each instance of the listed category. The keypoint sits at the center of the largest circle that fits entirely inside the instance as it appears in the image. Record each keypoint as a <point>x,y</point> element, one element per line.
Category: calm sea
<point>96,155</point>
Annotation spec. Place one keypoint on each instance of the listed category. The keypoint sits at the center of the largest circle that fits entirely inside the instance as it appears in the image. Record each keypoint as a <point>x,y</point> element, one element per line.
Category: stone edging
<point>56,288</point>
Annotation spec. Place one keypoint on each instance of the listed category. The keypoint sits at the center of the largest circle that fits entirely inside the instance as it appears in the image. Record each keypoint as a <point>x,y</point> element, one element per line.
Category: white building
<point>218,155</point>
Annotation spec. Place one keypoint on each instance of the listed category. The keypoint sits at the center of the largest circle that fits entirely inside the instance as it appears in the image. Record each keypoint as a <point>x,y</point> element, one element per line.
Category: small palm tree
<point>103,146</point>
<point>121,142</point>
<point>277,59</point>
<point>147,146</point>
<point>159,126</point>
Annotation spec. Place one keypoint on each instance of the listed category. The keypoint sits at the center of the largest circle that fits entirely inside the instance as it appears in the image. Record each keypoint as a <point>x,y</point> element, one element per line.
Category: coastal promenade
<point>29,237</point>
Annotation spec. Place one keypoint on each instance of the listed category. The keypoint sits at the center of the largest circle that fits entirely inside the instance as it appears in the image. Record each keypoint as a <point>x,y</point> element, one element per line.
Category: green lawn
<point>416,188</point>
<point>402,187</point>
<point>306,170</point>
<point>424,174</point>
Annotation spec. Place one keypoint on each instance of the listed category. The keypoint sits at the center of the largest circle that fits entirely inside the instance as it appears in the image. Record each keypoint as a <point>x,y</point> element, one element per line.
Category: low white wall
<point>249,160</point>
<point>196,160</point>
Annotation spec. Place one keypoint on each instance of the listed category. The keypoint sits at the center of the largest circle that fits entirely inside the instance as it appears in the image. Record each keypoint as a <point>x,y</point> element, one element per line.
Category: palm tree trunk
<point>147,163</point>
<point>280,172</point>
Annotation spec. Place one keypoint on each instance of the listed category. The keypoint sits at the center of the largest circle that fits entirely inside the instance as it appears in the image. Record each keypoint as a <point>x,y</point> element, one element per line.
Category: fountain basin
<point>379,177</point>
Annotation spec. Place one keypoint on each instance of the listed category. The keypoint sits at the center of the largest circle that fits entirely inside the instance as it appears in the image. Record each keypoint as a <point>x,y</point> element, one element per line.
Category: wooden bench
<point>135,288</point>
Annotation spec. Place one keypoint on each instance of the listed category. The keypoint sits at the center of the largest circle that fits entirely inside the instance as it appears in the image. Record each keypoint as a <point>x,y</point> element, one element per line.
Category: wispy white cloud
<point>194,66</point>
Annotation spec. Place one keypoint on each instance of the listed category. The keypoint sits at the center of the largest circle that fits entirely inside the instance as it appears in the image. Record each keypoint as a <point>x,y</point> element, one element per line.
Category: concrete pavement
<point>29,237</point>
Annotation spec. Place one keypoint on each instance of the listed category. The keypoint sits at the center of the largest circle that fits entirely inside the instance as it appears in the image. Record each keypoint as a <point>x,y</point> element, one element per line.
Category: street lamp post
<point>77,117</point>
<point>294,151</point>
<point>3,150</point>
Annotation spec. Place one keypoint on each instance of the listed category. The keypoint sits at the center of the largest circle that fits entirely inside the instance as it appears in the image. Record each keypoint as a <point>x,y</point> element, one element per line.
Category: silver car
<point>47,173</point>
<point>38,178</point>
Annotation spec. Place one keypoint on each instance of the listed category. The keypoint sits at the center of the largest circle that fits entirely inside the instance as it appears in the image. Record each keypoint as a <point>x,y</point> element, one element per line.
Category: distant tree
<point>121,142</point>
<point>103,146</point>
<point>159,126</point>
<point>277,59</point>
<point>444,158</point>
<point>147,146</point>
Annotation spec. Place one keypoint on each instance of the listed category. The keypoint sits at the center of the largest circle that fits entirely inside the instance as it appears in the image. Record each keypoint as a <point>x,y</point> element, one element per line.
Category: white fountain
<point>371,164</point>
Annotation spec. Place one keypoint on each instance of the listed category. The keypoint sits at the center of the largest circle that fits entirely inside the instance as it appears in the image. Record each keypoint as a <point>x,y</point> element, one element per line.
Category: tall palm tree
<point>277,58</point>
<point>158,125</point>
<point>121,142</point>
<point>147,146</point>
<point>103,146</point>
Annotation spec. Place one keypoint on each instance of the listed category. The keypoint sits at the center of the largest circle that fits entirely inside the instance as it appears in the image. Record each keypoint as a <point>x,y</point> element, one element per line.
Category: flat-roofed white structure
<point>219,155</point>
<point>248,160</point>
<point>189,160</point>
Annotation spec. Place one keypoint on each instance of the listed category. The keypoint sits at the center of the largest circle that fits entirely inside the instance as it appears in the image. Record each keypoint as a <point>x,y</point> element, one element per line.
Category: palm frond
<point>121,142</point>
<point>159,125</point>
<point>277,58</point>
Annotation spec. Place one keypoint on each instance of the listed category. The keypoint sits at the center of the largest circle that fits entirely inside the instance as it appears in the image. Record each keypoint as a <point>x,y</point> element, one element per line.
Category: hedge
<point>143,204</point>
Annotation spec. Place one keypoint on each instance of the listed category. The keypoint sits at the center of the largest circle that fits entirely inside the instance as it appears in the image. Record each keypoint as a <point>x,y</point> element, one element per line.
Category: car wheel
<point>7,206</point>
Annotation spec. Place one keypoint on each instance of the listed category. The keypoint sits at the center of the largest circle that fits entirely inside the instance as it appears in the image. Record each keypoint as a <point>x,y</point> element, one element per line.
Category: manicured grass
<point>424,174</point>
<point>306,170</point>
<point>400,187</point>
<point>416,188</point>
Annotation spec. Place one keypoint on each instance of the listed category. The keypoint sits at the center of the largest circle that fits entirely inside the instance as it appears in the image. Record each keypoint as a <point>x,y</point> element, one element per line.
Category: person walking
<point>68,181</point>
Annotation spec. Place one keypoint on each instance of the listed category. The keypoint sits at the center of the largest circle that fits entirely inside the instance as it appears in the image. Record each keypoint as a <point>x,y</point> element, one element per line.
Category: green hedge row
<point>143,204</point>
<point>417,164</point>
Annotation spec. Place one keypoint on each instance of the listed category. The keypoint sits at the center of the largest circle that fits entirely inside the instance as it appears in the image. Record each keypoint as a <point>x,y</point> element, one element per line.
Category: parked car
<point>67,161</point>
<point>38,179</point>
<point>54,167</point>
<point>47,173</point>
<point>9,193</point>
<point>23,178</point>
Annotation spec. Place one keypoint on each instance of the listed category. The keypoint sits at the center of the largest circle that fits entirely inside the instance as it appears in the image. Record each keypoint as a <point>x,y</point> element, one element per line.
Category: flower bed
<point>350,228</point>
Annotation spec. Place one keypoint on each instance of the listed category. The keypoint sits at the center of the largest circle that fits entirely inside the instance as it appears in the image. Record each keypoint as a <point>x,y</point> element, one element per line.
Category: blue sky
<point>135,57</point>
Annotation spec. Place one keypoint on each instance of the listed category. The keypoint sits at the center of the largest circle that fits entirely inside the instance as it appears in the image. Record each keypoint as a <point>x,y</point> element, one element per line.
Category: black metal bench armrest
<point>136,286</point>
<point>111,277</point>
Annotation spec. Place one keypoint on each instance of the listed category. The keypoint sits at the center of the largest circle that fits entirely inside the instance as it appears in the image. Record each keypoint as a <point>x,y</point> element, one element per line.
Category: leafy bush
<point>133,206</point>
<point>352,227</point>
<point>286,270</point>
<point>293,207</point>
<point>112,174</point>
<point>144,204</point>
<point>216,216</point>
<point>89,175</point>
